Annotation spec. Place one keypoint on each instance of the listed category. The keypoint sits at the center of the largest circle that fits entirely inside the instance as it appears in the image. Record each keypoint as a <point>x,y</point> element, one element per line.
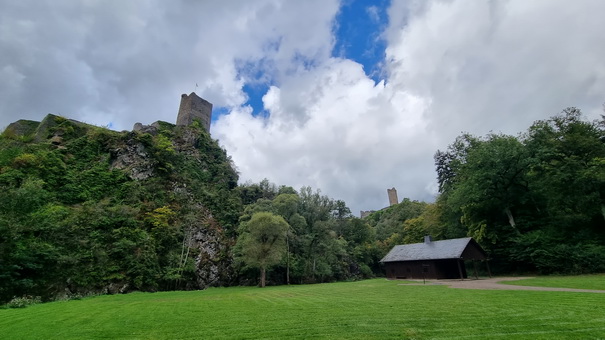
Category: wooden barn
<point>433,259</point>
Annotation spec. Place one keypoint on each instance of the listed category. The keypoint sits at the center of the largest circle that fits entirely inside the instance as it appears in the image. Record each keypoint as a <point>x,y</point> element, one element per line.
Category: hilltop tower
<point>193,107</point>
<point>392,196</point>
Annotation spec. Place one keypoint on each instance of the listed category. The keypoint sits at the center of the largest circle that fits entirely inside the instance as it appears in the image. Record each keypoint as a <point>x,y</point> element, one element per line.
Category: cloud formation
<point>121,62</point>
<point>499,65</point>
<point>449,66</point>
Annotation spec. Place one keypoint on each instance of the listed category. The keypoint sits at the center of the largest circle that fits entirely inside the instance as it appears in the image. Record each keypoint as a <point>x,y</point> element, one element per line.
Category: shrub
<point>24,301</point>
<point>570,259</point>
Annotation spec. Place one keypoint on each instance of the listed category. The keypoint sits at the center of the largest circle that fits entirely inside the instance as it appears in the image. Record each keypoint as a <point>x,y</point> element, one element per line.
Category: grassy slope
<point>580,282</point>
<point>367,309</point>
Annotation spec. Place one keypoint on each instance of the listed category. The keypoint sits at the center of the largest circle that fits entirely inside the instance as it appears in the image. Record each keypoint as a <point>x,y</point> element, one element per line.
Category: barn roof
<point>432,250</point>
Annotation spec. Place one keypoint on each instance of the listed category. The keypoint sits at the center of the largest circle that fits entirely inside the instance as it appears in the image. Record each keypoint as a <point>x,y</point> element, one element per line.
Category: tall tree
<point>262,241</point>
<point>568,171</point>
<point>535,201</point>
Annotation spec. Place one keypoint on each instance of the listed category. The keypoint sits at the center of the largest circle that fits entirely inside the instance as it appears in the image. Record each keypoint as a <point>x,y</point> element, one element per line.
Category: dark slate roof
<point>435,250</point>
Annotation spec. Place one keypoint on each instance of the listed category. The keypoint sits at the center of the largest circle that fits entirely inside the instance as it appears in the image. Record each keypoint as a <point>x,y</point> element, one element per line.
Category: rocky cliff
<point>149,209</point>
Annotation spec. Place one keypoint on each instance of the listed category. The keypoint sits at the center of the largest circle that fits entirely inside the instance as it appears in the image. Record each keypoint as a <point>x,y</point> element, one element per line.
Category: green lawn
<point>372,309</point>
<point>580,282</point>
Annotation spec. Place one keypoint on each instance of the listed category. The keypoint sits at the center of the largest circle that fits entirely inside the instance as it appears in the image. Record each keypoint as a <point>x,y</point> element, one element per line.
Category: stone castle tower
<point>193,107</point>
<point>392,196</point>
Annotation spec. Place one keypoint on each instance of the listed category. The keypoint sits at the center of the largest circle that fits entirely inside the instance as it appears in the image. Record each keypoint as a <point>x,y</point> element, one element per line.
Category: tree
<point>286,205</point>
<point>262,241</point>
<point>488,183</point>
<point>568,172</point>
<point>390,220</point>
<point>532,200</point>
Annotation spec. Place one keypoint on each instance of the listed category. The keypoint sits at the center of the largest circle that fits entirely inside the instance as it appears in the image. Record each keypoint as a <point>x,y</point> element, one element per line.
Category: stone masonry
<point>392,196</point>
<point>366,213</point>
<point>193,107</point>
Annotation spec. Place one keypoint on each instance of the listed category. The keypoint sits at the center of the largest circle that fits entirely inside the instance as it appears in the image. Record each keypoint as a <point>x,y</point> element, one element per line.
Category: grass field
<point>372,309</point>
<point>579,282</point>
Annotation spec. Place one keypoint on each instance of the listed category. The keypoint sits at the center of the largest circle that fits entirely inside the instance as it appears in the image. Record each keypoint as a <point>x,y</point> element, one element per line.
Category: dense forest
<point>84,210</point>
<point>535,201</point>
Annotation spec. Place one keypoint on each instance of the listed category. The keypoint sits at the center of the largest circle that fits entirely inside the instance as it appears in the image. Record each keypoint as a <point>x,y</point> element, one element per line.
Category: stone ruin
<point>366,213</point>
<point>194,108</point>
<point>393,200</point>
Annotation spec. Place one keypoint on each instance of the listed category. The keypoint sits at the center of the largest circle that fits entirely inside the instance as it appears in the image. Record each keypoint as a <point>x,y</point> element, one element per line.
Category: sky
<point>350,97</point>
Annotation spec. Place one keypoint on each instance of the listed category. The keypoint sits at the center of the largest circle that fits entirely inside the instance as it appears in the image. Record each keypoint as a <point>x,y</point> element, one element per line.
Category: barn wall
<point>430,269</point>
<point>473,252</point>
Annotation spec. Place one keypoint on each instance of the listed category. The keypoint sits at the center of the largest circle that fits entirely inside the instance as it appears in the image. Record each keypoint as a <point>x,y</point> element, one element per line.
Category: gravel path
<point>492,283</point>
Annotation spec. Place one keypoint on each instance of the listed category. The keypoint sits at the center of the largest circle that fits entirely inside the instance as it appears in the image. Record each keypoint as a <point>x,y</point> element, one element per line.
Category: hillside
<point>86,209</point>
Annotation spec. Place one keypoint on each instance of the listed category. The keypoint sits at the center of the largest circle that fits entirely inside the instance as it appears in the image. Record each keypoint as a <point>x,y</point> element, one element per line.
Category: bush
<point>570,259</point>
<point>24,301</point>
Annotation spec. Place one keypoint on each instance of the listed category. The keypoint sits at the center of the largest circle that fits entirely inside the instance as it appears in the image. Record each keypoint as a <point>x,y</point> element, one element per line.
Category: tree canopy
<point>535,201</point>
<point>262,241</point>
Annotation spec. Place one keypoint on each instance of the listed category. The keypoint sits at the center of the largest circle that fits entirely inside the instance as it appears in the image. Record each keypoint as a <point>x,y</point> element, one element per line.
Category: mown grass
<point>596,281</point>
<point>372,309</point>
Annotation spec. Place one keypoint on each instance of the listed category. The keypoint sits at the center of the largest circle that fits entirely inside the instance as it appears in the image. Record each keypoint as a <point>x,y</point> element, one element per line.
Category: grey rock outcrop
<point>133,158</point>
<point>22,127</point>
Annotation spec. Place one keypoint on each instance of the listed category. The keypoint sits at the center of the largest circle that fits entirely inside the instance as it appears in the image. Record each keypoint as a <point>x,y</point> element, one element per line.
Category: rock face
<point>183,162</point>
<point>205,243</point>
<point>208,241</point>
<point>133,158</point>
<point>205,240</point>
<point>23,127</point>
<point>49,128</point>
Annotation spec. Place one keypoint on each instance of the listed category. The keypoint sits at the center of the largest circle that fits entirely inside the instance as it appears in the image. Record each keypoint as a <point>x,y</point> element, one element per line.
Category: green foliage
<point>534,201</point>
<point>24,301</point>
<point>251,192</point>
<point>390,220</point>
<point>325,242</point>
<point>262,241</point>
<point>70,221</point>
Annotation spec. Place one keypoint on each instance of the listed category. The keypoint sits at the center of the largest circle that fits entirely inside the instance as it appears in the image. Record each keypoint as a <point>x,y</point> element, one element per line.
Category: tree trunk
<point>287,260</point>
<point>262,277</point>
<point>183,258</point>
<point>511,219</point>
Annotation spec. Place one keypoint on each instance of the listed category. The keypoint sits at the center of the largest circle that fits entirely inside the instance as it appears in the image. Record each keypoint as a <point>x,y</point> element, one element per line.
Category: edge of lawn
<point>592,281</point>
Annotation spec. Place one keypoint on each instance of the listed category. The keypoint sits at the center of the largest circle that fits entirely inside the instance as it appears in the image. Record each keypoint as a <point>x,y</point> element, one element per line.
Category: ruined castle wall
<point>366,213</point>
<point>193,107</point>
<point>392,196</point>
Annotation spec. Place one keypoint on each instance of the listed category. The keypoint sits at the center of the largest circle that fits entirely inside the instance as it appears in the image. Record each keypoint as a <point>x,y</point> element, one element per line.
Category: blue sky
<point>358,29</point>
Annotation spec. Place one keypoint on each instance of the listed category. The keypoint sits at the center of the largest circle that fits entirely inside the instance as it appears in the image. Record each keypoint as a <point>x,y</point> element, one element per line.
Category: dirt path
<point>492,283</point>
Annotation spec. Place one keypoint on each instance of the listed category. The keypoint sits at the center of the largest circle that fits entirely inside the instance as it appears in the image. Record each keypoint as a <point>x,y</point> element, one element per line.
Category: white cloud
<point>372,12</point>
<point>333,128</point>
<point>123,62</point>
<point>499,65</point>
<point>450,66</point>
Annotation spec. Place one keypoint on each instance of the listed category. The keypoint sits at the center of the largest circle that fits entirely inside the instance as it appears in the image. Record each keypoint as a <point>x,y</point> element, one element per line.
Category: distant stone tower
<point>392,196</point>
<point>193,107</point>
